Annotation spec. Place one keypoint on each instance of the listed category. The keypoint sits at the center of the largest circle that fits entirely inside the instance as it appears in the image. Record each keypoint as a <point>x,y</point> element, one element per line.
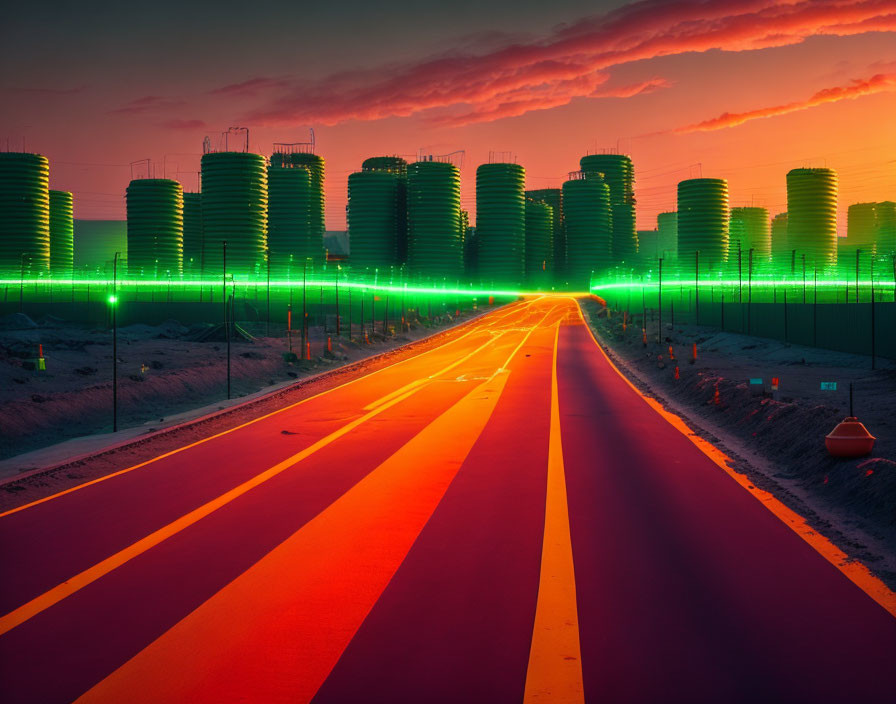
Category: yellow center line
<point>555,659</point>
<point>476,326</point>
<point>81,580</point>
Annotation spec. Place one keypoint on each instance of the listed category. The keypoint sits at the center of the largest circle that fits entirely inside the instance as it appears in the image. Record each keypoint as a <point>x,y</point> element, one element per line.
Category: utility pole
<point>660,302</point>
<point>113,303</point>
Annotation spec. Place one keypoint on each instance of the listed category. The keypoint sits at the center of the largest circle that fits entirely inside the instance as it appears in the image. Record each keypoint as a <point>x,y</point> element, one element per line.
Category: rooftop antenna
<point>501,158</point>
<point>142,168</point>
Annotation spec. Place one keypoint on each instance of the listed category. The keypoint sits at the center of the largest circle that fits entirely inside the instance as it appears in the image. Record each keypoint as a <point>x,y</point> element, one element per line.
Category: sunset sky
<point>743,90</point>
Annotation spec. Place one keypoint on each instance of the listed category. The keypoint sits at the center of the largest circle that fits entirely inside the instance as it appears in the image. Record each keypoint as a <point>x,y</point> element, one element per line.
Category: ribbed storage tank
<point>290,236</point>
<point>193,233</point>
<point>234,210</point>
<point>501,223</point>
<point>435,248</point>
<point>554,198</point>
<point>619,174</point>
<point>812,215</point>
<point>539,244</point>
<point>667,234</point>
<point>703,222</point>
<point>317,218</point>
<point>886,228</point>
<point>648,248</point>
<point>372,219</point>
<point>62,233</point>
<point>398,166</point>
<point>155,209</point>
<point>586,208</point>
<point>470,253</point>
<point>780,250</point>
<point>752,228</point>
<point>24,213</point>
<point>861,223</point>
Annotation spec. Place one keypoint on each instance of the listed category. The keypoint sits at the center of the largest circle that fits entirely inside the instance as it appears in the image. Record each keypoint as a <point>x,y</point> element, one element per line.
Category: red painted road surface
<point>500,519</point>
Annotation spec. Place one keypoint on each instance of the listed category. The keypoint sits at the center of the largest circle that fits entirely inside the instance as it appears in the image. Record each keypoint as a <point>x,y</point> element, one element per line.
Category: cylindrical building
<point>619,174</point>
<point>703,222</point>
<point>399,167</point>
<point>62,233</point>
<point>435,249</point>
<point>751,228</point>
<point>667,234</point>
<point>812,216</point>
<point>192,234</point>
<point>155,208</point>
<point>317,212</point>
<point>554,198</point>
<point>586,208</point>
<point>290,235</point>
<point>235,211</point>
<point>372,220</point>
<point>501,224</point>
<point>780,250</point>
<point>24,213</point>
<point>539,244</point>
<point>861,224</point>
<point>886,229</point>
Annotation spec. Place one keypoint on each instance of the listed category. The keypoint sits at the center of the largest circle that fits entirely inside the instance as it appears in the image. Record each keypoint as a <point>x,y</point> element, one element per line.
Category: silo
<point>586,208</point>
<point>886,228</point>
<point>193,233</point>
<point>539,244</point>
<point>703,222</point>
<point>399,167</point>
<point>290,237</point>
<point>435,248</point>
<point>372,219</point>
<point>24,213</point>
<point>619,174</point>
<point>155,209</point>
<point>317,218</point>
<point>780,250</point>
<point>62,233</point>
<point>234,210</point>
<point>667,234</point>
<point>554,198</point>
<point>648,248</point>
<point>812,215</point>
<point>501,223</point>
<point>752,229</point>
<point>861,223</point>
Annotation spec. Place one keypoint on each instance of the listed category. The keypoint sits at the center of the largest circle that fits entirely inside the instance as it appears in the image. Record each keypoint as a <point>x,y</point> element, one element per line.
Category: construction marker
<point>715,394</point>
<point>774,383</point>
<point>677,376</point>
<point>671,353</point>
<point>329,344</point>
<point>644,336</point>
<point>308,350</point>
<point>366,339</point>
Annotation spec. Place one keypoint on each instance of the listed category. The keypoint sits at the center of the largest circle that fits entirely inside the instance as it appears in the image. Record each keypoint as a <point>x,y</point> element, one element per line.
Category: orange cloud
<point>537,75</point>
<point>857,88</point>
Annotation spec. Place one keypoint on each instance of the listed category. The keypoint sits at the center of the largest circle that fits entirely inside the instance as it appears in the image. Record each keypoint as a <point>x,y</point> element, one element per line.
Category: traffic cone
<point>644,336</point>
<point>329,344</point>
<point>366,338</point>
<point>308,350</point>
<point>671,353</point>
<point>677,376</point>
<point>715,394</point>
<point>694,353</point>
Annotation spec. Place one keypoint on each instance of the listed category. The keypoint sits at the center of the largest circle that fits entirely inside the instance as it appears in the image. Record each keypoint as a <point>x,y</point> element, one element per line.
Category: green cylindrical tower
<point>554,198</point>
<point>539,244</point>
<point>586,208</point>
<point>234,210</point>
<point>752,229</point>
<point>192,233</point>
<point>780,250</point>
<point>317,215</point>
<point>372,220</point>
<point>155,209</point>
<point>619,174</point>
<point>812,216</point>
<point>667,234</point>
<point>435,248</point>
<point>399,167</point>
<point>24,213</point>
<point>703,222</point>
<point>62,233</point>
<point>885,238</point>
<point>290,236</point>
<point>501,224</point>
<point>861,223</point>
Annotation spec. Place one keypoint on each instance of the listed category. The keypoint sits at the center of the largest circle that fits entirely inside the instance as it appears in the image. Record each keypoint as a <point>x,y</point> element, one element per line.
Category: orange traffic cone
<point>715,394</point>
<point>677,376</point>
<point>308,350</point>
<point>329,344</point>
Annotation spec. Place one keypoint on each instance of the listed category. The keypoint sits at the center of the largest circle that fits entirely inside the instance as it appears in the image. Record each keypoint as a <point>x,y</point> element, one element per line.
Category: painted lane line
<point>275,633</point>
<point>853,570</point>
<point>476,326</point>
<point>555,659</point>
<point>70,586</point>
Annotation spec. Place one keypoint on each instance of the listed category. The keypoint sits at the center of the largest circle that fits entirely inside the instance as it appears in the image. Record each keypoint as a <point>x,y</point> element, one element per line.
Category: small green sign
<point>829,386</point>
<point>755,381</point>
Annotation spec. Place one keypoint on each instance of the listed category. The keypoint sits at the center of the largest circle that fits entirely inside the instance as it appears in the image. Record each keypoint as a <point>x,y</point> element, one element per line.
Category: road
<point>502,518</point>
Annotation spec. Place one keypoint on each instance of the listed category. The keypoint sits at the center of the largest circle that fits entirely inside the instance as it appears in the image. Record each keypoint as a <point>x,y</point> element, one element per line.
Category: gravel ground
<point>777,439</point>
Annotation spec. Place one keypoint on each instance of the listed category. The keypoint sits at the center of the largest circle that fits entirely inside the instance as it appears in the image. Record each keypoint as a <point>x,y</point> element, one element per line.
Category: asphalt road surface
<point>502,518</point>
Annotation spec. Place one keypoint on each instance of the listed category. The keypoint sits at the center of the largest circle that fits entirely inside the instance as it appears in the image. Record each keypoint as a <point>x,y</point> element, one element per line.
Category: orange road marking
<point>275,632</point>
<point>855,571</point>
<point>555,659</point>
<point>476,326</point>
